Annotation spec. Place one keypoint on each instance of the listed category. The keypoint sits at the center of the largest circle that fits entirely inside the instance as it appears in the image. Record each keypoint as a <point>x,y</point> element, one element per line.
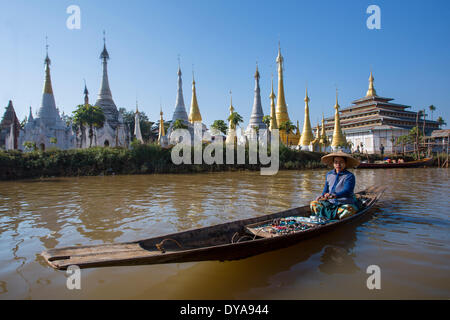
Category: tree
<point>415,134</point>
<point>441,121</point>
<point>393,142</point>
<point>220,126</point>
<point>432,108</point>
<point>416,145</point>
<point>178,124</point>
<point>24,122</point>
<point>30,145</point>
<point>235,118</point>
<point>266,120</point>
<point>53,140</point>
<point>145,123</point>
<point>91,116</point>
<point>288,127</point>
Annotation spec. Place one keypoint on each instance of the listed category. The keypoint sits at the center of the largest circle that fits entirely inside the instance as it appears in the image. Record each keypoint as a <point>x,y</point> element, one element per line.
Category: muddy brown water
<point>407,235</point>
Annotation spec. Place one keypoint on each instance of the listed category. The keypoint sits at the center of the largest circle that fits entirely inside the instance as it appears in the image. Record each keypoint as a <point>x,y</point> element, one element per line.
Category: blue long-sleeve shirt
<point>341,185</point>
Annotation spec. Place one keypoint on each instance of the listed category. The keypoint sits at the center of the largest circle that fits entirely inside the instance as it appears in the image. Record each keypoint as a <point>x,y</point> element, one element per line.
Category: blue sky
<point>325,44</point>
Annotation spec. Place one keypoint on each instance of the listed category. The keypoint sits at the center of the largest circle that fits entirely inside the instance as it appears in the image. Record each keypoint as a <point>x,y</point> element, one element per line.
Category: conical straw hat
<point>350,162</point>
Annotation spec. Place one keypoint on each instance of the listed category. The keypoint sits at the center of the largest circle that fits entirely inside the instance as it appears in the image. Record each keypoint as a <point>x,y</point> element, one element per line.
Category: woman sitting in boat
<point>337,200</point>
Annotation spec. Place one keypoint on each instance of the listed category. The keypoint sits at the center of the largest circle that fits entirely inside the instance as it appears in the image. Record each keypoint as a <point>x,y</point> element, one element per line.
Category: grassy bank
<point>140,159</point>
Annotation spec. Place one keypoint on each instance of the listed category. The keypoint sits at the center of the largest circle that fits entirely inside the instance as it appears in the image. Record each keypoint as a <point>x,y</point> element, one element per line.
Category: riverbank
<point>140,159</point>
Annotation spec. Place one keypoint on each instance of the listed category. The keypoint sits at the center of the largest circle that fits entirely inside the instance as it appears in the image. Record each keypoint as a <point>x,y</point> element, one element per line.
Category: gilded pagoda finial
<point>231,103</point>
<point>338,136</point>
<point>194,114</point>
<point>281,109</point>
<point>273,114</point>
<point>307,135</point>
<point>371,92</point>
<point>48,80</point>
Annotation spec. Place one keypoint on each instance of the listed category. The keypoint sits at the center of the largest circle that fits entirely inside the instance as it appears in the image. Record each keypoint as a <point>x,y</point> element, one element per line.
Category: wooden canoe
<point>227,241</point>
<point>409,164</point>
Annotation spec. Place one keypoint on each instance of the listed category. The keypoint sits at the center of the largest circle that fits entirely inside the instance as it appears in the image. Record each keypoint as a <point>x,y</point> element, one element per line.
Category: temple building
<point>10,129</point>
<point>256,118</point>
<point>281,110</point>
<point>47,129</point>
<point>373,121</point>
<point>114,132</point>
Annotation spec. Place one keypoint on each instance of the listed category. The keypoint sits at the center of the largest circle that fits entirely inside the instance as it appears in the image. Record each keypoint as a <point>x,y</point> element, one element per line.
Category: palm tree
<point>266,120</point>
<point>235,118</point>
<point>288,127</point>
<point>89,115</point>
<point>220,126</point>
<point>441,121</point>
<point>393,145</point>
<point>178,124</point>
<point>432,108</point>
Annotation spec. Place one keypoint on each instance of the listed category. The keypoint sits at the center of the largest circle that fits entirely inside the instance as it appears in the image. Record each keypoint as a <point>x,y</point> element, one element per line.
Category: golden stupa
<point>338,136</point>
<point>281,110</point>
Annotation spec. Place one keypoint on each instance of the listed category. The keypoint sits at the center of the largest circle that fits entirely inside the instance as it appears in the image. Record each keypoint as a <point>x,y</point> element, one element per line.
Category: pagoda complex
<point>373,121</point>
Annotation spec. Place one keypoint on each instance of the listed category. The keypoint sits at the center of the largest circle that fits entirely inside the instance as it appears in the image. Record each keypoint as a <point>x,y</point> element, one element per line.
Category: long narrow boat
<point>227,241</point>
<point>409,164</point>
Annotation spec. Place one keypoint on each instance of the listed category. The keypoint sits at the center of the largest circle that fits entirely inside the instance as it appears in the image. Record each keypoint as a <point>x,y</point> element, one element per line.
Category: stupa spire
<point>273,114</point>
<point>86,94</point>
<point>194,114</point>
<point>162,131</point>
<point>282,114</point>
<point>180,109</point>
<point>323,135</point>
<point>307,134</point>
<point>231,103</point>
<point>371,92</point>
<point>30,116</point>
<point>47,112</point>
<point>137,125</point>
<point>105,91</point>
<point>48,81</point>
<point>257,111</point>
<point>338,136</point>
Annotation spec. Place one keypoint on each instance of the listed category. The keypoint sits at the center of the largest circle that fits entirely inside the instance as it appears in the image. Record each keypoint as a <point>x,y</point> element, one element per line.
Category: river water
<point>406,235</point>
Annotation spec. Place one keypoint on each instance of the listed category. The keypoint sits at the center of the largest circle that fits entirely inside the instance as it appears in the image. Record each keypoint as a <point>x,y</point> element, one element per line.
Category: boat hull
<point>411,164</point>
